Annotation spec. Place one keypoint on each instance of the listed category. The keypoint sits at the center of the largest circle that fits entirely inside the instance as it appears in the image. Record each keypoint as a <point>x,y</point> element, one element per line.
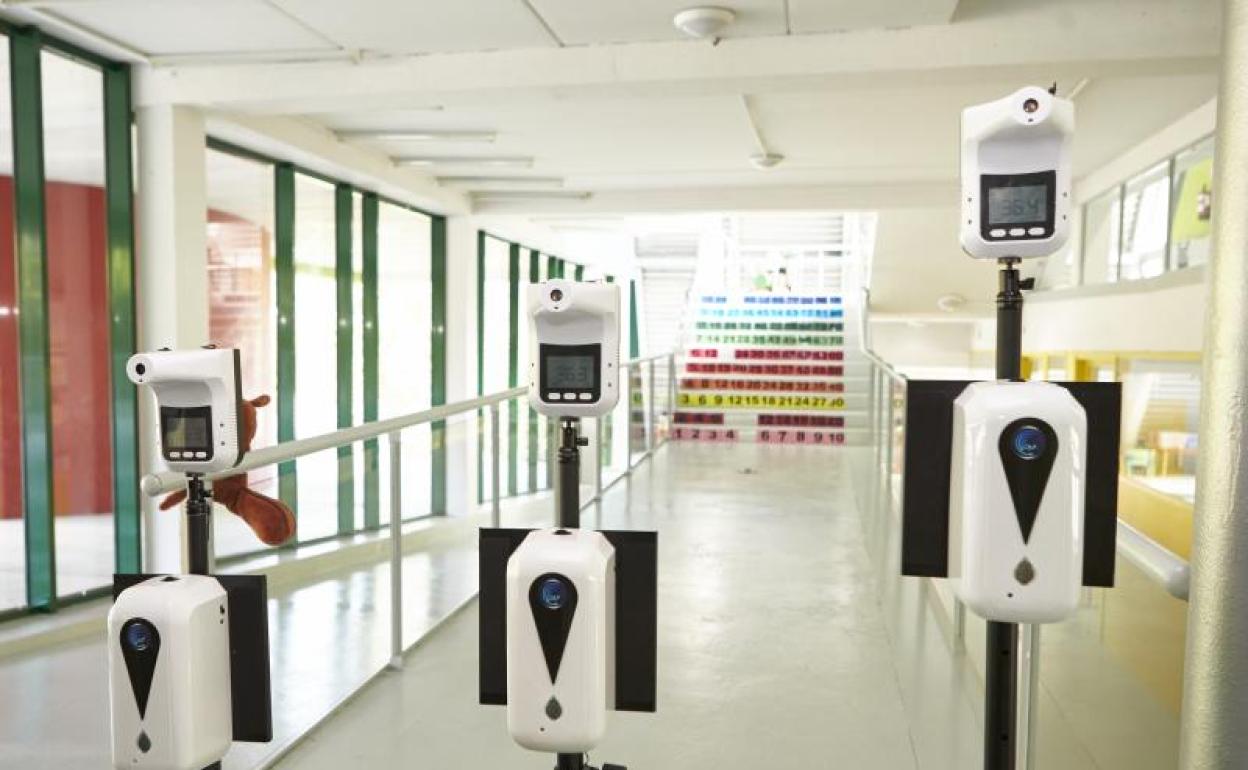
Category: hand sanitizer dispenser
<point>169,674</point>
<point>1017,501</point>
<point>560,640</point>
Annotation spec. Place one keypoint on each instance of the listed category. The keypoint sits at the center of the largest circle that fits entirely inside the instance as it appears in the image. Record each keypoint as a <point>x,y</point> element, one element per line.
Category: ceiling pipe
<point>764,158</point>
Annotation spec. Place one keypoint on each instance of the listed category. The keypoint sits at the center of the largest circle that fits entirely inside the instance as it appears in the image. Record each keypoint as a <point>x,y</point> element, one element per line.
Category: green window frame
<point>371,337</point>
<point>26,45</point>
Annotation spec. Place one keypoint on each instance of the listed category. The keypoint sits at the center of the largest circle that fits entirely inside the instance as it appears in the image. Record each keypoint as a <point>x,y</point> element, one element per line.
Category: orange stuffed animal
<point>271,520</point>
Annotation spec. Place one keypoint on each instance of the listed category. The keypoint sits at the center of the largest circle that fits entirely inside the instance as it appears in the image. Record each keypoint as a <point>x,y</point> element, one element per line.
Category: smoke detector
<point>765,160</point>
<point>704,22</point>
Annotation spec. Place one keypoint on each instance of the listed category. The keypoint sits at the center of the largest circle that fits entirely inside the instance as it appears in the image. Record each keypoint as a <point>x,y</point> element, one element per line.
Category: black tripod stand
<point>568,507</point>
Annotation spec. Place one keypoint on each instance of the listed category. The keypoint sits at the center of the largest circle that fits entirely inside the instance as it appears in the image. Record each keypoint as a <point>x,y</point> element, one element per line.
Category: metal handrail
<point>159,483</point>
<point>1155,560</point>
<point>884,366</point>
<point>154,484</point>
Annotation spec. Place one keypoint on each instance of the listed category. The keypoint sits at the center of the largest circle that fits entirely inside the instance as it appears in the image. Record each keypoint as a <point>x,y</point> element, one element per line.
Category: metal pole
<point>1029,695</point>
<point>888,443</point>
<point>872,417</point>
<point>671,395</point>
<point>568,515</point>
<point>598,460</point>
<point>496,465</point>
<point>568,491</point>
<point>651,425</point>
<point>1215,691</point>
<point>1001,653</point>
<point>198,526</point>
<point>396,551</point>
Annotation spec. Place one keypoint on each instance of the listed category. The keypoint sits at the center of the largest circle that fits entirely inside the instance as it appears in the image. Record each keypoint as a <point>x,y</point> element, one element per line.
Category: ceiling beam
<point>1092,39</point>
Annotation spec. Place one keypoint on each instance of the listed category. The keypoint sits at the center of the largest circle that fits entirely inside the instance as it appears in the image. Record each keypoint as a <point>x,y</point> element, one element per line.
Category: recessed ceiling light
<point>416,135</point>
<point>496,162</point>
<point>704,22</point>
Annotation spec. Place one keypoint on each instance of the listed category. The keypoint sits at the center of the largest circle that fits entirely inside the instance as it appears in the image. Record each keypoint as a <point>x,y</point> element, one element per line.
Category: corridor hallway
<point>786,640</point>
<point>773,647</point>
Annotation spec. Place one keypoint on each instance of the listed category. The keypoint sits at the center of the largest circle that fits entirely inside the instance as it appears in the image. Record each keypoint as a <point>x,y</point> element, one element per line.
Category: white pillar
<point>172,280</point>
<point>1215,688</point>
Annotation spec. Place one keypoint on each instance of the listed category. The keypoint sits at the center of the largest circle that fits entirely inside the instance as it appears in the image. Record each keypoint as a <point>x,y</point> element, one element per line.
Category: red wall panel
<point>78,317</point>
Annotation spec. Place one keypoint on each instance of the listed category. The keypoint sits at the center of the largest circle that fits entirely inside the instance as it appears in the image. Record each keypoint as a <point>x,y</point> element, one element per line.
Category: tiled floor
<point>774,651</point>
<point>327,637</point>
<point>787,641</point>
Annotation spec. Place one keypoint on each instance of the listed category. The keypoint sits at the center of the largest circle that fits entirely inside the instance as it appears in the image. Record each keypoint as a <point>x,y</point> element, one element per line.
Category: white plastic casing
<point>986,543</point>
<point>182,379</point>
<point>188,715</point>
<point>584,685</point>
<point>584,314</point>
<point>1003,138</point>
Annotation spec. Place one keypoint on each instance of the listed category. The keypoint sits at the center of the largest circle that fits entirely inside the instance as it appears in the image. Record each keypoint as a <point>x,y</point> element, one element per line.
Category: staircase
<point>769,329</point>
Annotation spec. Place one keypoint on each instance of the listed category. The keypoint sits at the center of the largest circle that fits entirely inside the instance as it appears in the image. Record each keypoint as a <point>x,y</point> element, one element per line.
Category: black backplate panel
<point>250,690</point>
<point>636,616</point>
<point>929,452</point>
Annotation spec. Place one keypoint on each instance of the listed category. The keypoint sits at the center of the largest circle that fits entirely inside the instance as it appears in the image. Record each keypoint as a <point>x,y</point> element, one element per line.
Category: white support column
<point>1215,688</point>
<point>172,280</point>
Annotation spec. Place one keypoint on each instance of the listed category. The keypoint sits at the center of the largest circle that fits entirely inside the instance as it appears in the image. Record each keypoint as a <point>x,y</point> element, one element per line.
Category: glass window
<point>496,333</point>
<point>316,377</point>
<point>405,298</point>
<point>12,531</point>
<point>1190,222</point>
<point>1059,271</point>
<point>1161,416</point>
<point>524,453</point>
<point>1101,222</point>
<point>1145,212</point>
<point>242,305</point>
<point>78,319</point>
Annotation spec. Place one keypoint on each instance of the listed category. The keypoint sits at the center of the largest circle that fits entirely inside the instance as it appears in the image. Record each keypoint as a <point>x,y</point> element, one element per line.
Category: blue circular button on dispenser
<point>553,593</point>
<point>1028,442</point>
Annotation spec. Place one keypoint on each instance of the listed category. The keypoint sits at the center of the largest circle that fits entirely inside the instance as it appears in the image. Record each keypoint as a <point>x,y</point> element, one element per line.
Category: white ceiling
<point>390,27</point>
<point>862,97</point>
<point>828,136</point>
<point>163,27</point>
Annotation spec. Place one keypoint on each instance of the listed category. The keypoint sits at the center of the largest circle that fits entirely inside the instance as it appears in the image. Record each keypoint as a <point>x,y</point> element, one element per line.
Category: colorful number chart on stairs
<point>763,367</point>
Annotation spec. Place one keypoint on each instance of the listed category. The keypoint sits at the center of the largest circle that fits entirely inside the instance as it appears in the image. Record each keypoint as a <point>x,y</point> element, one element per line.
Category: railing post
<point>671,394</point>
<point>1028,695</point>
<point>598,459</point>
<point>888,441</point>
<point>651,424</point>
<point>396,551</point>
<point>496,465</point>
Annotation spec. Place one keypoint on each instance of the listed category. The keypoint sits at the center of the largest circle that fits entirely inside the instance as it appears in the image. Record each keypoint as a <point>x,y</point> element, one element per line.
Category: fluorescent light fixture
<point>445,160</point>
<point>417,135</point>
<point>525,195</point>
<point>501,182</point>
